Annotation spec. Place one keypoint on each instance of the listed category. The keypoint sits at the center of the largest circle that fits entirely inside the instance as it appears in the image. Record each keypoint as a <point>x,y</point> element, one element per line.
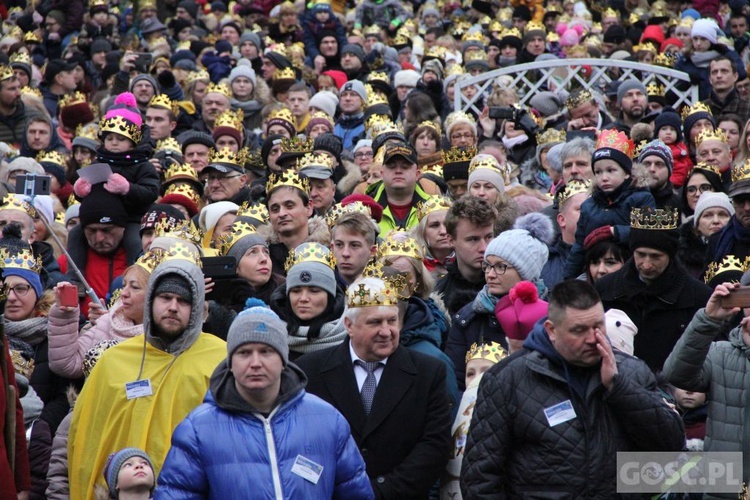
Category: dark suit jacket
<point>405,440</point>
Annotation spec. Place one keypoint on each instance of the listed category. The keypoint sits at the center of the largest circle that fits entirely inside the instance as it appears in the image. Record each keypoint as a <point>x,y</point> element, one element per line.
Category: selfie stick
<point>89,290</point>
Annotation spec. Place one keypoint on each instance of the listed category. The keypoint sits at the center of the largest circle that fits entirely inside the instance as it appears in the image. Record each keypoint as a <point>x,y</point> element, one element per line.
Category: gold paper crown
<point>284,114</point>
<point>476,55</point>
<point>401,39</point>
<point>708,168</point>
<point>376,120</point>
<point>88,131</point>
<point>455,69</point>
<point>728,264</point>
<point>473,37</point>
<point>399,243</point>
<point>219,88</point>
<point>491,351</point>
<point>239,230</point>
<point>534,26</point>
<point>255,211</point>
<point>15,32</point>
<point>6,72</point>
<point>231,119</point>
<point>284,74</point>
<point>183,189</point>
<point>572,188</point>
<point>374,97</point>
<point>386,127</point>
<point>616,140</point>
<point>226,155</point>
<point>711,135</point>
<point>550,135</point>
<point>318,115</point>
<point>373,30</point>
<point>458,115</point>
<point>13,202</point>
<point>457,155</point>
<point>118,125</point>
<point>297,145</point>
<point>98,3</point>
<point>181,170</point>
<point>182,251</point>
<point>433,204</point>
<point>52,157</point>
<point>698,107</point>
<point>610,12</point>
<point>310,252</point>
<point>32,37</point>
<point>659,219</point>
<point>639,148</point>
<point>665,60</point>
<point>315,160</point>
<point>194,76</point>
<point>20,57</point>
<point>655,90</point>
<point>364,295</point>
<point>277,48</point>
<point>379,76</point>
<point>741,172</point>
<point>183,230</point>
<point>553,37</point>
<point>338,210</point>
<point>150,259</point>
<point>169,144</point>
<point>646,47</point>
<point>30,91</point>
<point>20,259</point>
<point>287,179</point>
<point>687,22</point>
<point>22,365</point>
<point>435,52</point>
<point>163,101</point>
<point>431,124</point>
<point>578,98</point>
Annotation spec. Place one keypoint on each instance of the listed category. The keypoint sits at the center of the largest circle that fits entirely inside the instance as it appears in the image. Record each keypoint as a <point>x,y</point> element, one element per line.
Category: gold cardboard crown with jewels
<point>698,107</point>
<point>150,259</point>
<point>728,264</point>
<point>616,140</point>
<point>711,135</point>
<point>163,101</point>
<point>315,160</point>
<point>32,37</point>
<point>239,230</point>
<point>284,114</point>
<point>401,39</point>
<point>322,115</point>
<point>374,97</point>
<point>372,30</point>
<point>396,281</point>
<point>183,230</point>
<point>433,204</point>
<point>363,295</point>
<point>23,259</point>
<point>495,26</point>
<point>52,157</point>
<point>119,125</point>
<point>579,98</point>
<point>183,189</point>
<point>20,364</point>
<point>338,210</point>
<point>219,88</point>
<point>655,90</point>
<point>435,52</point>
<point>227,156</point>
<point>476,55</point>
<point>484,161</point>
<point>455,69</point>
<point>297,145</point>
<point>664,60</point>
<point>550,135</point>
<point>255,211</point>
<point>284,74</point>
<point>646,47</point>
<point>376,120</point>
<point>20,57</point>
<point>431,124</point>
<point>278,48</point>
<point>572,188</point>
<point>708,168</point>
<point>194,76</point>
<point>6,72</point>
<point>379,76</point>
<point>491,351</point>
<point>231,119</point>
<point>310,252</point>
<point>639,148</point>
<point>181,170</point>
<point>741,172</point>
<point>13,202</point>
<point>534,26</point>
<point>287,179</point>
<point>30,91</point>
<point>399,243</point>
<point>659,219</point>
<point>458,115</point>
<point>476,36</point>
<point>385,128</point>
<point>457,155</point>
<point>169,144</point>
<point>182,251</point>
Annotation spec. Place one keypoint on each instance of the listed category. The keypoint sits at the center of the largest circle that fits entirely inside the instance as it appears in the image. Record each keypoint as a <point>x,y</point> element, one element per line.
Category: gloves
<point>597,235</point>
<point>117,184</point>
<point>82,187</point>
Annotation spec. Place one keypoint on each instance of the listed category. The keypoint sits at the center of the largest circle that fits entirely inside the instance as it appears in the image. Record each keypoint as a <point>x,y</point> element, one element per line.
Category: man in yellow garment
<point>142,388</point>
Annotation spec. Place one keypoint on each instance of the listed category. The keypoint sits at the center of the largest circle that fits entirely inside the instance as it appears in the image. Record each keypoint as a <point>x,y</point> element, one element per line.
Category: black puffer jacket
<point>513,452</point>
<point>692,250</point>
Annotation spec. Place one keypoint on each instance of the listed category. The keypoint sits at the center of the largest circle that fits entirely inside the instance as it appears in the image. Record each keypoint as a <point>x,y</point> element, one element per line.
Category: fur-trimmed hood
<point>353,177</point>
<point>317,229</point>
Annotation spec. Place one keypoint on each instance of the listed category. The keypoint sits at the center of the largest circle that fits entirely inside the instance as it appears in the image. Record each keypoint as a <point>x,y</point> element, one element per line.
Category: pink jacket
<point>67,348</point>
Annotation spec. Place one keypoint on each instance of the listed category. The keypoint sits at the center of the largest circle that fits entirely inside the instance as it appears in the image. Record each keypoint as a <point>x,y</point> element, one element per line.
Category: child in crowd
<point>129,472</point>
<point>318,20</point>
<point>667,128</point>
<point>694,410</point>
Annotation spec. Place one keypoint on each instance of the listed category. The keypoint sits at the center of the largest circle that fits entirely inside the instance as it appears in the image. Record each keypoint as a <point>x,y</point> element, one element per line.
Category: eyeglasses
<point>702,188</point>
<point>498,269</point>
<point>466,135</point>
<point>364,154</point>
<point>220,178</point>
<point>19,290</point>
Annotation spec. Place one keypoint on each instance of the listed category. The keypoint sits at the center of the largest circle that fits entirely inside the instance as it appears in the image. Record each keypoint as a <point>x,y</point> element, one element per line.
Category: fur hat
<point>525,246</point>
<point>406,78</point>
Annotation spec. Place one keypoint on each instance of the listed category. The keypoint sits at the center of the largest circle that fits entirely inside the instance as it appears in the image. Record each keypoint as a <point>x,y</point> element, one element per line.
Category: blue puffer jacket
<point>606,210</point>
<point>225,450</point>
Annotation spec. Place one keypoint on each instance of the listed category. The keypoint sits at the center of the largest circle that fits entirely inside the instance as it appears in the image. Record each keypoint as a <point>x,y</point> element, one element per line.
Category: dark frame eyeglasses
<point>498,269</point>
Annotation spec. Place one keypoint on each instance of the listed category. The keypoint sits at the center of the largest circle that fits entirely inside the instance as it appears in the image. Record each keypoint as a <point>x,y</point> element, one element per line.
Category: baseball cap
<point>402,149</point>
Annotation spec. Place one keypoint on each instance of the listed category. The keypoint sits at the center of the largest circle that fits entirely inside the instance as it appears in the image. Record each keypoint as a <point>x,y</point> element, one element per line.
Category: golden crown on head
<point>495,26</point>
<point>572,188</point>
<point>486,162</point>
<point>639,148</point>
<point>181,170</point>
<point>322,115</point>
<point>278,48</point>
<point>338,210</point>
<point>52,157</point>
<point>431,124</point>
<point>374,97</point>
<point>665,60</point>
<point>182,251</point>
<point>436,52</point>
<point>659,219</point>
<point>401,39</point>
<point>476,36</point>
<point>549,136</point>
<point>433,204</point>
<point>534,26</point>
<point>375,120</point>
<point>255,211</point>
<point>456,116</point>
<point>194,76</point>
<point>491,351</point>
<point>379,76</point>
<point>646,47</point>
<point>14,202</point>
<point>29,91</point>
<point>708,168</point>
<point>169,144</point>
<point>239,230</point>
<point>88,131</point>
<point>32,37</point>
<point>289,178</point>
<point>284,114</point>
<point>397,281</point>
<point>455,69</point>
<point>20,364</point>
<point>98,3</point>
<point>386,127</point>
<point>297,145</point>
<point>20,57</point>
<point>20,259</point>
<point>315,160</point>
<point>163,101</point>
<point>741,172</point>
<point>475,55</point>
<point>219,88</point>
<point>511,32</point>
<point>365,295</point>
<point>284,74</point>
<point>616,140</point>
<point>183,189</point>
<point>226,155</point>
<point>399,243</point>
<point>729,263</point>
<point>458,155</point>
<point>372,30</point>
<point>711,135</point>
<point>698,107</point>
<point>183,230</point>
<point>578,98</point>
<point>150,259</point>
<point>310,252</point>
<point>6,72</point>
<point>119,125</point>
<point>655,90</point>
<point>231,119</point>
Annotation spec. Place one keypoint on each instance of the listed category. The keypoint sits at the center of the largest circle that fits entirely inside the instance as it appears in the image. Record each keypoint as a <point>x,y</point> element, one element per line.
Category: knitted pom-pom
<point>538,225</point>
<point>253,302</point>
<point>82,187</point>
<point>126,98</point>
<point>525,291</point>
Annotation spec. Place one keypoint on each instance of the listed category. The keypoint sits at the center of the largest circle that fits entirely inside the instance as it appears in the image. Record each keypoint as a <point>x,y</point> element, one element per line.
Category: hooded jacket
<point>512,451</point>
<point>266,448</point>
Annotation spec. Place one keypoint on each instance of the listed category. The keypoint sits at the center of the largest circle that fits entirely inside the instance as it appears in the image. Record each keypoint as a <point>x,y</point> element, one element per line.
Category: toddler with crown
<point>617,189</point>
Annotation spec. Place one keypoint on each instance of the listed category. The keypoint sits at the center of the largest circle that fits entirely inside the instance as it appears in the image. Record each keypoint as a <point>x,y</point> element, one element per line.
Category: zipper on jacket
<point>273,458</point>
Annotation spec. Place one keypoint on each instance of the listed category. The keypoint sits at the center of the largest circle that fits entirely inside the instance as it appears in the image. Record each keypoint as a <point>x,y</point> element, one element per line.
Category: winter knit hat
<point>251,37</point>
<point>620,330</point>
<point>159,212</point>
<point>144,76</point>
<point>330,143</point>
<point>271,141</point>
<point>355,49</point>
<point>311,272</point>
<point>242,70</point>
<point>125,108</point>
<point>103,207</point>
<point>692,119</point>
<point>547,103</point>
<point>434,66</point>
<point>114,464</point>
<point>629,85</point>
<point>325,100</point>
<point>519,310</point>
<point>210,214</point>
<point>195,137</point>
<point>242,245</point>
<point>175,284</point>
<point>406,78</point>
<point>706,28</point>
<point>712,200</point>
<point>43,204</point>
<point>525,246</point>
<point>484,167</point>
<point>664,239</point>
<point>668,119</point>
<point>257,323</point>
<point>357,87</point>
<point>72,212</point>
<point>657,148</point>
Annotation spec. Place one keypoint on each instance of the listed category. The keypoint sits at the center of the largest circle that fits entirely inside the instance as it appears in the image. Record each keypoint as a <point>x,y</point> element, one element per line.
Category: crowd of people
<point>254,249</point>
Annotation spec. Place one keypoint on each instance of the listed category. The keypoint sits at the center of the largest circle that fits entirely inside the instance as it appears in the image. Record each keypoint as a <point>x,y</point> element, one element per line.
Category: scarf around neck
<point>734,231</point>
<point>33,331</point>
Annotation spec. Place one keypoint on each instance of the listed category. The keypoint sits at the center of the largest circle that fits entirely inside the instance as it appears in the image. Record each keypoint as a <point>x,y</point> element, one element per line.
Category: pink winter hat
<point>519,311</point>
<point>126,107</point>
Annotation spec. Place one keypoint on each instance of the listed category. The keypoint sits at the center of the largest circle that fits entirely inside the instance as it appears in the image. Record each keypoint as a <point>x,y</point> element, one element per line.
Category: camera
<point>519,116</point>
<point>33,185</point>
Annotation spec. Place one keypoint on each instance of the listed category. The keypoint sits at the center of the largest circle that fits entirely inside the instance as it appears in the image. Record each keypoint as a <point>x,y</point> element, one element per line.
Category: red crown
<point>616,140</point>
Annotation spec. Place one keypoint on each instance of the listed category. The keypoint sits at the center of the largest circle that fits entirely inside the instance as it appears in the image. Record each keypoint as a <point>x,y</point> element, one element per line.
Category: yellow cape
<point>105,421</point>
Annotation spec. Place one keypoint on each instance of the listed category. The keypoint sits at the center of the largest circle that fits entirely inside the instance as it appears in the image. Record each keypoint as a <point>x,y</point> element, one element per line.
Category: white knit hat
<point>707,28</point>
<point>488,174</point>
<point>210,214</point>
<point>326,101</point>
<point>459,117</point>
<point>712,200</point>
<point>406,78</point>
